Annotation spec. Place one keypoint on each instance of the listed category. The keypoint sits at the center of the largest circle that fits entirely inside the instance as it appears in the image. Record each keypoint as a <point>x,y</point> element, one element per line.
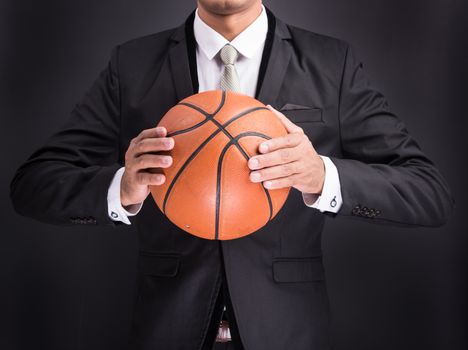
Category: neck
<point>231,25</point>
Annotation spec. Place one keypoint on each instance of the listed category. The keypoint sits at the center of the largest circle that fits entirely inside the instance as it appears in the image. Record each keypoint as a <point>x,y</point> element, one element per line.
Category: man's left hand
<point>288,161</point>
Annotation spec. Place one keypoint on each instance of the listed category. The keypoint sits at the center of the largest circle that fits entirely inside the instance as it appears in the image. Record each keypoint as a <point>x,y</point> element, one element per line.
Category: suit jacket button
<point>356,210</point>
<point>365,212</point>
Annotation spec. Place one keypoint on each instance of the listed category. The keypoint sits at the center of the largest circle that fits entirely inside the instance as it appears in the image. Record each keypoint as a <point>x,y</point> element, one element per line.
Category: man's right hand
<point>141,159</point>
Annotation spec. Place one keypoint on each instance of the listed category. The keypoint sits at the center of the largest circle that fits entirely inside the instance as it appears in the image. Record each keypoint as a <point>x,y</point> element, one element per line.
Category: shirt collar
<point>246,43</point>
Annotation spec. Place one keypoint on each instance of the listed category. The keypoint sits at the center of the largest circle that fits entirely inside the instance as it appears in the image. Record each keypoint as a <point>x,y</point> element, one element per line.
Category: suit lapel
<point>277,63</point>
<point>182,60</point>
<point>183,66</point>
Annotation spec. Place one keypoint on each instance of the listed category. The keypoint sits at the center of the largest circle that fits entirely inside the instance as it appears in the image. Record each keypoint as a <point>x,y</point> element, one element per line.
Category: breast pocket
<point>299,114</point>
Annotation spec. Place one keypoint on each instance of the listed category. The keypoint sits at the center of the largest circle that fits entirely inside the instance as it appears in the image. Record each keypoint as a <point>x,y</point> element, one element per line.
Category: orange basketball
<point>207,191</point>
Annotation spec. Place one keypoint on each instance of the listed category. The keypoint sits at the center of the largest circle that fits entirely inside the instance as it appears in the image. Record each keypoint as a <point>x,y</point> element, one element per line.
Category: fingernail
<point>253,162</point>
<point>263,147</point>
<point>255,176</point>
<point>267,184</point>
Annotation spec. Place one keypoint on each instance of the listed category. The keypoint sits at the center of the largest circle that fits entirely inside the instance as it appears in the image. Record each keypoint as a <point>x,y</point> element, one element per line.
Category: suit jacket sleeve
<point>384,176</point>
<point>66,180</point>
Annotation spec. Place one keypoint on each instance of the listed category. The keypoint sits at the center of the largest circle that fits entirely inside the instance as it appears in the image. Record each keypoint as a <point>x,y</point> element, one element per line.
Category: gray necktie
<point>229,79</point>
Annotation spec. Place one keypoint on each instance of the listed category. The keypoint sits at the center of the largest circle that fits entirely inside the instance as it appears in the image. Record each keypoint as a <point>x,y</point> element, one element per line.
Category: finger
<point>144,178</point>
<point>153,144</point>
<point>280,156</point>
<point>289,125</point>
<point>286,141</point>
<point>159,131</point>
<point>147,161</point>
<point>276,172</point>
<point>284,182</point>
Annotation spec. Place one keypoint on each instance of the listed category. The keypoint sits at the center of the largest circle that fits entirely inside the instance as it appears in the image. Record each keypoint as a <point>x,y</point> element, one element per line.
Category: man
<point>346,154</point>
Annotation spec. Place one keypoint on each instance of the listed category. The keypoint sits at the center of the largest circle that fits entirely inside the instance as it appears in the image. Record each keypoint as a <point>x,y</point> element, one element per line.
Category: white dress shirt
<point>249,43</point>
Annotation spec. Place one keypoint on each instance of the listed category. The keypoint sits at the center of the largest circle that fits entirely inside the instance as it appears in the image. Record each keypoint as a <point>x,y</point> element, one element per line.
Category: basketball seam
<point>208,116</point>
<point>218,179</point>
<point>204,143</point>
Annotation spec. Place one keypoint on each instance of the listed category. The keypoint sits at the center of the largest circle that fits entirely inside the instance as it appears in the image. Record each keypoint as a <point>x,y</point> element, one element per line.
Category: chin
<point>226,7</point>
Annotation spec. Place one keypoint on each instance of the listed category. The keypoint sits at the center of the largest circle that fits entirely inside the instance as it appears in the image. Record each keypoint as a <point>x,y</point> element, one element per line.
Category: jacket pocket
<point>302,114</point>
<point>303,269</point>
<point>159,264</point>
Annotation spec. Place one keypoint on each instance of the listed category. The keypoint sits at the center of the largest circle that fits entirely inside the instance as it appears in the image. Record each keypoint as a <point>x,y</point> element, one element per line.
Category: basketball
<point>207,191</point>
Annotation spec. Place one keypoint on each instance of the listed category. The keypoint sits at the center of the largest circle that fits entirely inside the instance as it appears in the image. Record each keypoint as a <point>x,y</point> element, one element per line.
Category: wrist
<point>321,178</point>
<point>134,197</point>
<point>125,200</point>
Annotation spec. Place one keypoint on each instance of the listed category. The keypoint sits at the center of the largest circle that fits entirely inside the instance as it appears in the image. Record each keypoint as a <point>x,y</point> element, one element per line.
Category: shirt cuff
<point>114,207</point>
<point>330,200</point>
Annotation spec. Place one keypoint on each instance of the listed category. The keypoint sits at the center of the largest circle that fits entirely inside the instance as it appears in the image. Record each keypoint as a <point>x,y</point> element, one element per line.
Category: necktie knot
<point>228,54</point>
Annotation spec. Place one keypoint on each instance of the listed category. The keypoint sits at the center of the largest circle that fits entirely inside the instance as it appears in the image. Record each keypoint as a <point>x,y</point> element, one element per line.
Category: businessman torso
<point>265,270</point>
<point>275,276</point>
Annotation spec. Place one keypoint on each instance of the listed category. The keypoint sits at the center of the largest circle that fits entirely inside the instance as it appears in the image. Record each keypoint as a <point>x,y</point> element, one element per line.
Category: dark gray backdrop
<point>390,288</point>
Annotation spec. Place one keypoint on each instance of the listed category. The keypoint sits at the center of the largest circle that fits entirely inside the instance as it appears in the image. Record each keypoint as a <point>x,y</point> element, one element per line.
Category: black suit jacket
<point>275,276</point>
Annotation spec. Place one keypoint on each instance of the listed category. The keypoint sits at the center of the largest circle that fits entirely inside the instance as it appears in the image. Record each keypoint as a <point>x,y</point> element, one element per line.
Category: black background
<point>390,288</point>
